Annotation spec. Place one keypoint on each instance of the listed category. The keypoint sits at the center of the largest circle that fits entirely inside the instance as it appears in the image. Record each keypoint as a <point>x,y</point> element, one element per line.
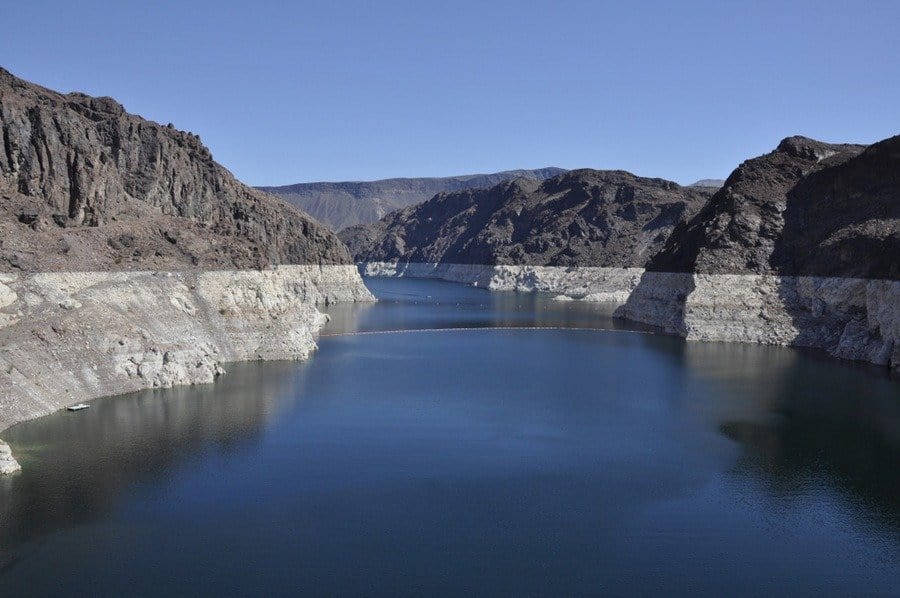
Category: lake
<point>452,441</point>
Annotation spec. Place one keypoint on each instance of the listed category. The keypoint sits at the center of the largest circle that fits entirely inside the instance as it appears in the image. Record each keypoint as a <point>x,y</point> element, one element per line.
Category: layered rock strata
<point>850,318</point>
<point>66,338</point>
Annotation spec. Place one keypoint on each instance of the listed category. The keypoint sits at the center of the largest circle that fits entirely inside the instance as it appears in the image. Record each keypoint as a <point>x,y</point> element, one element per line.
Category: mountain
<point>86,186</point>
<point>714,183</point>
<point>579,218</point>
<point>130,259</point>
<point>340,205</point>
<point>807,208</point>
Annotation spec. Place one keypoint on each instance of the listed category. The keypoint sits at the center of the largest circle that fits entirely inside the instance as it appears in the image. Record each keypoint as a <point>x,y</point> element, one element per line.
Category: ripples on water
<point>486,461</point>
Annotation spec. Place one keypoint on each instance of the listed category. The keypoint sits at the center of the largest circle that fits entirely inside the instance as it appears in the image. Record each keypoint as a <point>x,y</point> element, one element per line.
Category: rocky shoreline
<point>850,318</point>
<point>599,284</point>
<point>130,259</point>
<point>70,337</point>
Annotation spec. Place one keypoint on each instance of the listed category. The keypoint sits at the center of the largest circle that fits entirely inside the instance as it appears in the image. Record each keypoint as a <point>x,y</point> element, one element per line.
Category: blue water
<point>474,460</point>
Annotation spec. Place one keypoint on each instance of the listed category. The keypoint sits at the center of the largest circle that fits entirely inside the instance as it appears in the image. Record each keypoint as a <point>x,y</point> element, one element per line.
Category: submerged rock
<point>7,463</point>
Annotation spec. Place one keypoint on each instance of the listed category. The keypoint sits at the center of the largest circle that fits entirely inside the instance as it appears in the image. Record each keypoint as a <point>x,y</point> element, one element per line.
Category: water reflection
<point>76,465</point>
<point>804,419</point>
<point>409,304</point>
<point>553,462</point>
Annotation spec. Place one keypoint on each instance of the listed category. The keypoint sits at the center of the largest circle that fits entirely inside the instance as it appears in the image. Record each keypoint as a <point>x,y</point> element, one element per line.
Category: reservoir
<point>449,441</point>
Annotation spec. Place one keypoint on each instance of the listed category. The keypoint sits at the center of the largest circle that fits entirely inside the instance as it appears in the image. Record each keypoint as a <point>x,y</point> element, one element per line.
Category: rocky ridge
<point>84,185</point>
<point>771,215</point>
<point>580,218</point>
<point>712,183</point>
<point>801,247</point>
<point>343,204</point>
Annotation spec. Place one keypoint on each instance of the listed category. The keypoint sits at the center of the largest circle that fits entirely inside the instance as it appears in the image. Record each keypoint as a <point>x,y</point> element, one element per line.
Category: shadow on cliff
<point>842,221</point>
<point>659,299</point>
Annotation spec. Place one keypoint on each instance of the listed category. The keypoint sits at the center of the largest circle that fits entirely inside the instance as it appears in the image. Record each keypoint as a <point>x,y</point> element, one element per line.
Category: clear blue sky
<point>286,91</point>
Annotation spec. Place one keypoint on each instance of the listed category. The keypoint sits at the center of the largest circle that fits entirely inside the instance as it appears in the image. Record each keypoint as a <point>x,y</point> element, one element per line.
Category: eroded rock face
<point>75,336</point>
<point>806,209</point>
<point>800,247</point>
<point>851,318</point>
<point>845,220</point>
<point>581,218</point>
<point>86,186</point>
<point>129,259</point>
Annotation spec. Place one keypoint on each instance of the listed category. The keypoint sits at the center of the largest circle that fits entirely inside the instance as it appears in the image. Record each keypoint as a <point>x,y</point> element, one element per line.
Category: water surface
<point>476,460</point>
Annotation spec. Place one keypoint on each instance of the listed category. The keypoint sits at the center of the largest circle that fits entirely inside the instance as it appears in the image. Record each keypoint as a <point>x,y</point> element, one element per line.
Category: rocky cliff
<point>340,205</point>
<point>86,186</point>
<point>130,259</point>
<point>68,337</point>
<point>580,218</point>
<point>800,247</point>
<point>793,212</point>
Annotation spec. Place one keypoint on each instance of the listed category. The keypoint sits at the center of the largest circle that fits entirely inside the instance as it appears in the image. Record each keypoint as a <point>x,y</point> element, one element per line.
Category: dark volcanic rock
<point>340,205</point>
<point>80,173</point>
<point>582,217</point>
<point>845,220</point>
<point>807,208</point>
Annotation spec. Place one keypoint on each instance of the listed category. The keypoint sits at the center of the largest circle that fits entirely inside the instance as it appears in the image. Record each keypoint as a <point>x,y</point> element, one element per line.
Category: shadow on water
<point>810,421</point>
<point>76,465</point>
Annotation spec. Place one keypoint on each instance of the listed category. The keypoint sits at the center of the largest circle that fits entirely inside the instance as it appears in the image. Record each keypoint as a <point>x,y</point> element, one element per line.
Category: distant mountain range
<point>579,218</point>
<point>713,183</point>
<point>340,205</point>
<point>806,209</point>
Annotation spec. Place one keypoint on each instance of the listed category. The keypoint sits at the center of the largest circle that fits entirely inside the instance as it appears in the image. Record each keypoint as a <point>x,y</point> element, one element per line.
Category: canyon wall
<point>68,337</point>
<point>800,246</point>
<point>850,318</point>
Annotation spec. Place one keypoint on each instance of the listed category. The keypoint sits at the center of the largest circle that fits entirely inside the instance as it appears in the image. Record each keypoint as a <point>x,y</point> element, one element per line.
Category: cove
<point>497,446</point>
